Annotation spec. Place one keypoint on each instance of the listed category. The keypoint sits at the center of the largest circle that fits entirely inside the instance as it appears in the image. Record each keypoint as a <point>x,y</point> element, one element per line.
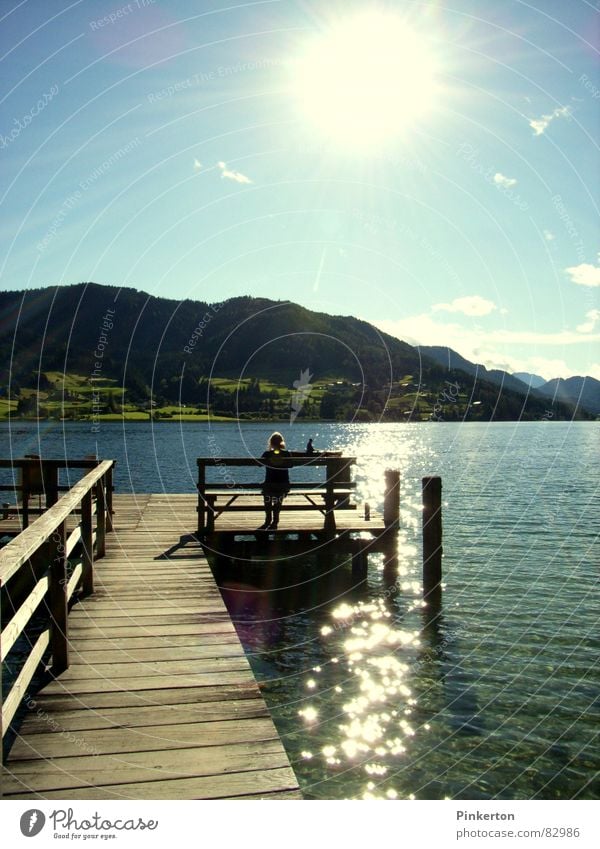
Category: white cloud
<point>227,174</point>
<point>424,330</point>
<point>593,317</point>
<point>197,165</point>
<point>540,125</point>
<point>548,368</point>
<point>491,348</point>
<point>506,182</point>
<point>585,274</point>
<point>473,305</point>
<point>548,236</point>
<point>594,371</point>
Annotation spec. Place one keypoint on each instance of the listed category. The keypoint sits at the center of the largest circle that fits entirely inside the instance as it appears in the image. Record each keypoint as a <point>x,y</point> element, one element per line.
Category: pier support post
<point>391,499</point>
<point>432,538</point>
<point>360,563</point>
<point>390,559</point>
<point>57,600</point>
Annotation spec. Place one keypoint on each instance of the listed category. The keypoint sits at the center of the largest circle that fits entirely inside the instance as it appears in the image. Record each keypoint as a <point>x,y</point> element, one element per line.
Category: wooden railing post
<point>432,536</point>
<point>100,519</point>
<point>50,483</point>
<point>109,499</point>
<point>87,541</point>
<point>201,498</point>
<point>338,470</point>
<point>24,487</point>
<point>57,600</point>
<point>391,499</point>
<point>329,524</point>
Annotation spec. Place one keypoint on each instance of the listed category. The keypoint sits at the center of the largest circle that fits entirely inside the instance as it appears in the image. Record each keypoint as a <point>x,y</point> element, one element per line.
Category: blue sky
<point>445,190</point>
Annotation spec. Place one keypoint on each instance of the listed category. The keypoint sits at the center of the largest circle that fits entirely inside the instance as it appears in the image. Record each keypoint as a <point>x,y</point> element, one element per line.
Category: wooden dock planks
<point>159,701</point>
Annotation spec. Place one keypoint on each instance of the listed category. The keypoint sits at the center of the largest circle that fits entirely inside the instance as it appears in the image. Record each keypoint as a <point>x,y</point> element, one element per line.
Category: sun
<point>366,80</point>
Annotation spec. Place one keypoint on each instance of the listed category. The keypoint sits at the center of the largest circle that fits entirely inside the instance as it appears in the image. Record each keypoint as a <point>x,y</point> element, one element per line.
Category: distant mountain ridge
<point>157,346</point>
<point>452,359</point>
<point>533,380</point>
<point>581,392</point>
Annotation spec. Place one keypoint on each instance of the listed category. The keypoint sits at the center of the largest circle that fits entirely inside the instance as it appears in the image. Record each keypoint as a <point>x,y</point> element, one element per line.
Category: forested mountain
<point>578,391</point>
<point>157,351</point>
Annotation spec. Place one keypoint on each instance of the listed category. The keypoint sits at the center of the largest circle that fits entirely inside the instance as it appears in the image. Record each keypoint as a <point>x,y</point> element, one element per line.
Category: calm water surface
<point>501,697</point>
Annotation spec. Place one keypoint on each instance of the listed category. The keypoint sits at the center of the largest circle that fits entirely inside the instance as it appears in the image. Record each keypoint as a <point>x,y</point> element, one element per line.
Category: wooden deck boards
<point>159,701</point>
<point>176,515</point>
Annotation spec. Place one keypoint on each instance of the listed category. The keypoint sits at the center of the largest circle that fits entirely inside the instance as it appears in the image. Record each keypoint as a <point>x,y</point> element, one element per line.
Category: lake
<point>500,699</point>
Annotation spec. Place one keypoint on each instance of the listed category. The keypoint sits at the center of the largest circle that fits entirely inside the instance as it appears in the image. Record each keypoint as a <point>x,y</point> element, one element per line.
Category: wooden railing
<point>37,477</point>
<point>334,490</point>
<point>33,569</point>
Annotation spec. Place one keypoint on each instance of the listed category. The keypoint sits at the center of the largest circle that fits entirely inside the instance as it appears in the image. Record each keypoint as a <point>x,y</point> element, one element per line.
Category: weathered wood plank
<point>13,629</point>
<point>126,656</point>
<point>119,608</point>
<point>112,671</point>
<point>74,580</point>
<point>152,715</point>
<point>238,785</point>
<point>148,682</point>
<point>146,698</point>
<point>219,637</point>
<point>147,623</point>
<point>110,741</point>
<point>106,632</point>
<point>19,687</point>
<point>110,596</point>
<point>91,771</point>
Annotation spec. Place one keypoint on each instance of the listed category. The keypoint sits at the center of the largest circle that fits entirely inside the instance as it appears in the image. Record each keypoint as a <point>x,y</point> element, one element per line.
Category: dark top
<point>276,470</point>
<point>309,447</point>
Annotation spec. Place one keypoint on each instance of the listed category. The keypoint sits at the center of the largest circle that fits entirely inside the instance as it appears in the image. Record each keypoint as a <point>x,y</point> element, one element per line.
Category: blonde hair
<point>276,441</point>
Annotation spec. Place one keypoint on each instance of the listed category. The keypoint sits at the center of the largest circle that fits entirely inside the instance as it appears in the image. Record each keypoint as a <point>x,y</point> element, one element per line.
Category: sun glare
<point>366,80</point>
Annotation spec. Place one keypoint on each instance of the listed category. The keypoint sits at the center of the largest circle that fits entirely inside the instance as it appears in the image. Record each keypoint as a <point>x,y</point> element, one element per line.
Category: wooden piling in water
<point>391,499</point>
<point>360,562</point>
<point>432,536</point>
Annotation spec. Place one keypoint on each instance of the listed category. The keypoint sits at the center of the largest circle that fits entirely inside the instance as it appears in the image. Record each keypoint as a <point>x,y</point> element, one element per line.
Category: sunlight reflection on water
<point>378,700</point>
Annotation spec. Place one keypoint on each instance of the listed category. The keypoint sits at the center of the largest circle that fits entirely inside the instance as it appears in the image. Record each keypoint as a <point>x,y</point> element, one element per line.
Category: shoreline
<point>284,422</point>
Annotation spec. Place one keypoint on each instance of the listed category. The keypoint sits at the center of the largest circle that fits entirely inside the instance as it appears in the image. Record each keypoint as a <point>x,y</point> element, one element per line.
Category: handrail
<point>45,547</point>
<point>295,459</point>
<point>53,463</point>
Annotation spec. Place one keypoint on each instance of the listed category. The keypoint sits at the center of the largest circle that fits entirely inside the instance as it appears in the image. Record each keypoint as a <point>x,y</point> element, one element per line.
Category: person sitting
<point>309,447</point>
<point>277,480</point>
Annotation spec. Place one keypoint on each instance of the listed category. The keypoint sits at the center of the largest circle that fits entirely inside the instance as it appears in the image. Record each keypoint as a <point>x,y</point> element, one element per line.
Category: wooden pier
<point>142,689</point>
<point>158,700</point>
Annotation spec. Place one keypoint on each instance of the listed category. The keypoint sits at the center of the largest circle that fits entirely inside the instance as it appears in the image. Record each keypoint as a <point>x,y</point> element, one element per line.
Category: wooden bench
<point>38,477</point>
<point>328,495</point>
